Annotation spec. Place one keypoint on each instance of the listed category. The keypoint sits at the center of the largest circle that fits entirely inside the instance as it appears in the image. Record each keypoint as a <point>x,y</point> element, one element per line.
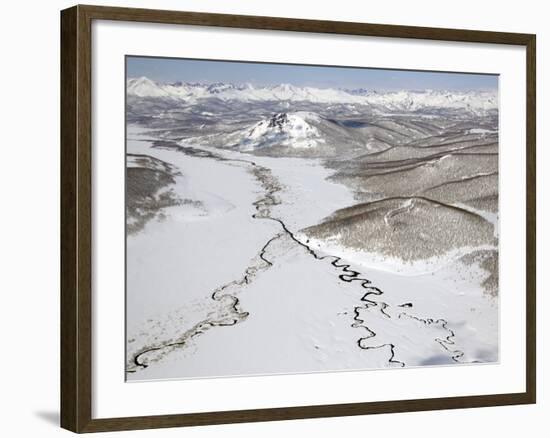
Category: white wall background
<point>29,229</point>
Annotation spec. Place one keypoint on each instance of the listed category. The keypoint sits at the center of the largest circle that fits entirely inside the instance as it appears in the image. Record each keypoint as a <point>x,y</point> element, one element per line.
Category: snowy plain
<point>297,314</point>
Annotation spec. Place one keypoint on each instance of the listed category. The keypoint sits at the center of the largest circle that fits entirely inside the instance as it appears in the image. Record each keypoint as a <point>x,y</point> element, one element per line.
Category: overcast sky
<point>186,70</point>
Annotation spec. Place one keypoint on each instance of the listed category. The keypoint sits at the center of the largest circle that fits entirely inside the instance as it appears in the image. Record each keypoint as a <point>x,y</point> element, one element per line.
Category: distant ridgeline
<point>472,101</point>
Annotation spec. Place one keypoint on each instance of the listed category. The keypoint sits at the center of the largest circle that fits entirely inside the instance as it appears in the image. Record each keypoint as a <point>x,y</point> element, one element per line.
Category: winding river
<point>233,312</point>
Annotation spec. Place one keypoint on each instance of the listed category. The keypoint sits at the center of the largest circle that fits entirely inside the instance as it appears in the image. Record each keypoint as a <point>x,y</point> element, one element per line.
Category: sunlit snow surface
<point>248,270</point>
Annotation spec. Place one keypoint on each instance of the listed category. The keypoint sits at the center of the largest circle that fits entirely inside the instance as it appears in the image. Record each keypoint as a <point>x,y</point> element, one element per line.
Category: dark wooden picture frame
<point>76,218</point>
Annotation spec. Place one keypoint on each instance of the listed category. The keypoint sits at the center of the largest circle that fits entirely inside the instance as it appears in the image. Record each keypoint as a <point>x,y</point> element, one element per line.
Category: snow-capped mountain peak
<point>282,129</point>
<point>145,87</point>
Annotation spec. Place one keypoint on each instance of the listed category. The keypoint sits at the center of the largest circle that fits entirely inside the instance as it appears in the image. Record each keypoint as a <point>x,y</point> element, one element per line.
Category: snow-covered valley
<point>229,284</point>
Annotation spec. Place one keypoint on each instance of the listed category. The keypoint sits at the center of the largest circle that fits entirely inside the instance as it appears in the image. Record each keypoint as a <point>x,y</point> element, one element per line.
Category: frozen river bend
<point>235,266</point>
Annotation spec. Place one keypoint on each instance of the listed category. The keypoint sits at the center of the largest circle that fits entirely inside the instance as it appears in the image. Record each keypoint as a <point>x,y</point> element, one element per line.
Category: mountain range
<point>474,101</point>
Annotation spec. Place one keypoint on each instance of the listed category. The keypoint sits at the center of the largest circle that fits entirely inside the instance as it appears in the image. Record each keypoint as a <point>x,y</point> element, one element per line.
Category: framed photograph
<point>269,218</point>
